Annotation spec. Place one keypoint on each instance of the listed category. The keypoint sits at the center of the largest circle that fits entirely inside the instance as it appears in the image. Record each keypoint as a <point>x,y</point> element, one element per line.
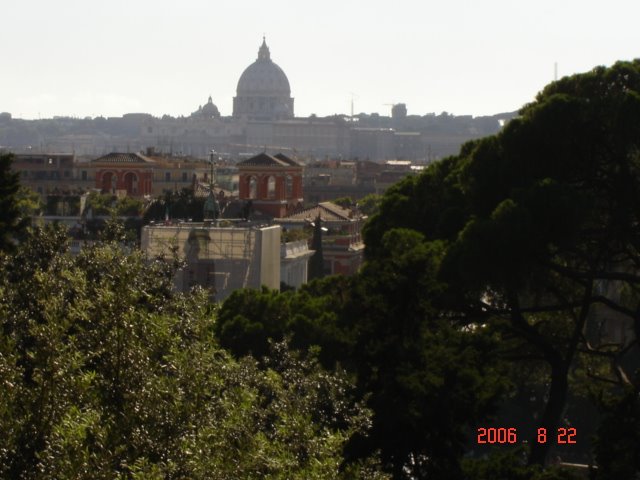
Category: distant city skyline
<point>89,58</point>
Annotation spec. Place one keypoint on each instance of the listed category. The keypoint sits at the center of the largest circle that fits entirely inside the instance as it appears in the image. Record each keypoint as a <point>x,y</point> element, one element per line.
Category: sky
<point>467,57</point>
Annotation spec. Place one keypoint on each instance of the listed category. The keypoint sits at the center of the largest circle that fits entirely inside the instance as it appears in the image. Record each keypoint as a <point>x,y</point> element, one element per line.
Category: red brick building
<point>342,246</point>
<point>129,172</point>
<point>272,183</point>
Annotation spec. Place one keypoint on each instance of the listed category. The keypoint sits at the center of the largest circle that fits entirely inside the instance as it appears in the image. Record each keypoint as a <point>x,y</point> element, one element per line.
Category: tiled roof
<point>328,211</point>
<point>264,160</point>
<point>282,157</point>
<point>116,157</point>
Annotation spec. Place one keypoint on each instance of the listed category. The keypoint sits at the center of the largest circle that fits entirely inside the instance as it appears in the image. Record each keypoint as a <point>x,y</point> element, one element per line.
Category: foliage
<point>425,379</point>
<point>295,234</point>
<point>514,250</point>
<point>249,319</point>
<point>316,262</point>
<point>618,444</point>
<point>539,226</point>
<point>344,202</point>
<point>106,372</point>
<point>105,204</point>
<point>100,203</point>
<point>183,204</point>
<point>511,464</point>
<point>429,378</point>
<point>129,206</point>
<point>29,203</point>
<point>12,222</point>
<point>369,204</point>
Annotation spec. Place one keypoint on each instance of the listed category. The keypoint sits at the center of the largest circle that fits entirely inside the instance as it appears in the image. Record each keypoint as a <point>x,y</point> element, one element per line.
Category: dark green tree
<point>540,227</point>
<point>316,263</point>
<point>106,372</point>
<point>344,202</point>
<point>183,204</point>
<point>369,204</point>
<point>426,380</point>
<point>12,222</point>
<point>618,444</point>
<point>310,316</point>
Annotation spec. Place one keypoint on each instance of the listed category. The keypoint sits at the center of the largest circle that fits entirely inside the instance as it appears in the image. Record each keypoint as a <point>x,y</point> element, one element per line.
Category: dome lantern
<point>263,53</point>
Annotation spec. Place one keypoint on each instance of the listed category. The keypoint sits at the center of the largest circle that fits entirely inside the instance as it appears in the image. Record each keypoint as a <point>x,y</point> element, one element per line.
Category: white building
<point>221,257</point>
<point>294,263</point>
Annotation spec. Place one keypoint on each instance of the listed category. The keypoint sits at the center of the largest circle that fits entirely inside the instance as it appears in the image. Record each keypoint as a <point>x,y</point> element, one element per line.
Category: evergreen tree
<point>11,222</point>
<point>540,229</point>
<point>106,372</point>
<point>316,263</point>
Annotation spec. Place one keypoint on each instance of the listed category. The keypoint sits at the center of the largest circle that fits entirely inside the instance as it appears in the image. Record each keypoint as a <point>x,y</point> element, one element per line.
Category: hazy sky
<point>109,57</point>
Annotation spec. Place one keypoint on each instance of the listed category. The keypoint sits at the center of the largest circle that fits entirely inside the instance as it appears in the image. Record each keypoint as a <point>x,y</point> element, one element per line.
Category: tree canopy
<point>540,226</point>
<point>509,270</point>
<point>512,265</point>
<point>106,372</point>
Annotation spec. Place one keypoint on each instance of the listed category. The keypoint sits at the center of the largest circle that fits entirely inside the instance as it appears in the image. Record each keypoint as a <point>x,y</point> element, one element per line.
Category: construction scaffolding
<point>218,258</point>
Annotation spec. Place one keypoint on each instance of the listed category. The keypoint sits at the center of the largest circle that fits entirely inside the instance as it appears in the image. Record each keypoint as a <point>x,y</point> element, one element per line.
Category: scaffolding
<point>218,258</point>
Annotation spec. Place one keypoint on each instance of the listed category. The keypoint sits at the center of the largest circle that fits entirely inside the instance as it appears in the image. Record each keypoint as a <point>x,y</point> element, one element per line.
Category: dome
<point>208,110</point>
<point>263,77</point>
<point>263,90</point>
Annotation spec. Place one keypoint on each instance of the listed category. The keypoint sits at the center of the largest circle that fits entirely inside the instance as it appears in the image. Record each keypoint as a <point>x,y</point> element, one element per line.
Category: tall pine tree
<point>316,264</point>
<point>10,223</point>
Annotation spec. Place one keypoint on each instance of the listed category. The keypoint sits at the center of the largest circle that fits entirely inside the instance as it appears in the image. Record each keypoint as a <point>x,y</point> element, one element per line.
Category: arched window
<point>271,187</point>
<point>131,183</point>
<point>288,186</point>
<point>108,182</point>
<point>253,187</point>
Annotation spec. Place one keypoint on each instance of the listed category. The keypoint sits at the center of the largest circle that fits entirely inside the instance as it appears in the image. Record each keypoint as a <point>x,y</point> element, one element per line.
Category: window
<point>83,174</point>
<point>253,187</point>
<point>271,187</point>
<point>131,183</point>
<point>289,186</point>
<point>185,176</point>
<point>167,176</point>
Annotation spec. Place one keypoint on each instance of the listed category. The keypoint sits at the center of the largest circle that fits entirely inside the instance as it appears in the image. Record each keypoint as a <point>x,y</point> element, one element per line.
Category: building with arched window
<point>272,183</point>
<point>137,174</point>
<point>128,172</point>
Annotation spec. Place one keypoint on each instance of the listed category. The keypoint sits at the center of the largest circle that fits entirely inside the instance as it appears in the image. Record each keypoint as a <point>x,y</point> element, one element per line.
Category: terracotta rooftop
<point>116,157</point>
<point>264,160</point>
<point>328,211</point>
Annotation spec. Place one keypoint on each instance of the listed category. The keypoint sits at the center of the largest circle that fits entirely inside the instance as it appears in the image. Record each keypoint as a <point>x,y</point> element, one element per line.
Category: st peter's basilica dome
<point>263,91</point>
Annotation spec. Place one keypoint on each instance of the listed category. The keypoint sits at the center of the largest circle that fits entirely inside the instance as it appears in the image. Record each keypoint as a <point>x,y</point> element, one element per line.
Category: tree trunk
<point>552,413</point>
